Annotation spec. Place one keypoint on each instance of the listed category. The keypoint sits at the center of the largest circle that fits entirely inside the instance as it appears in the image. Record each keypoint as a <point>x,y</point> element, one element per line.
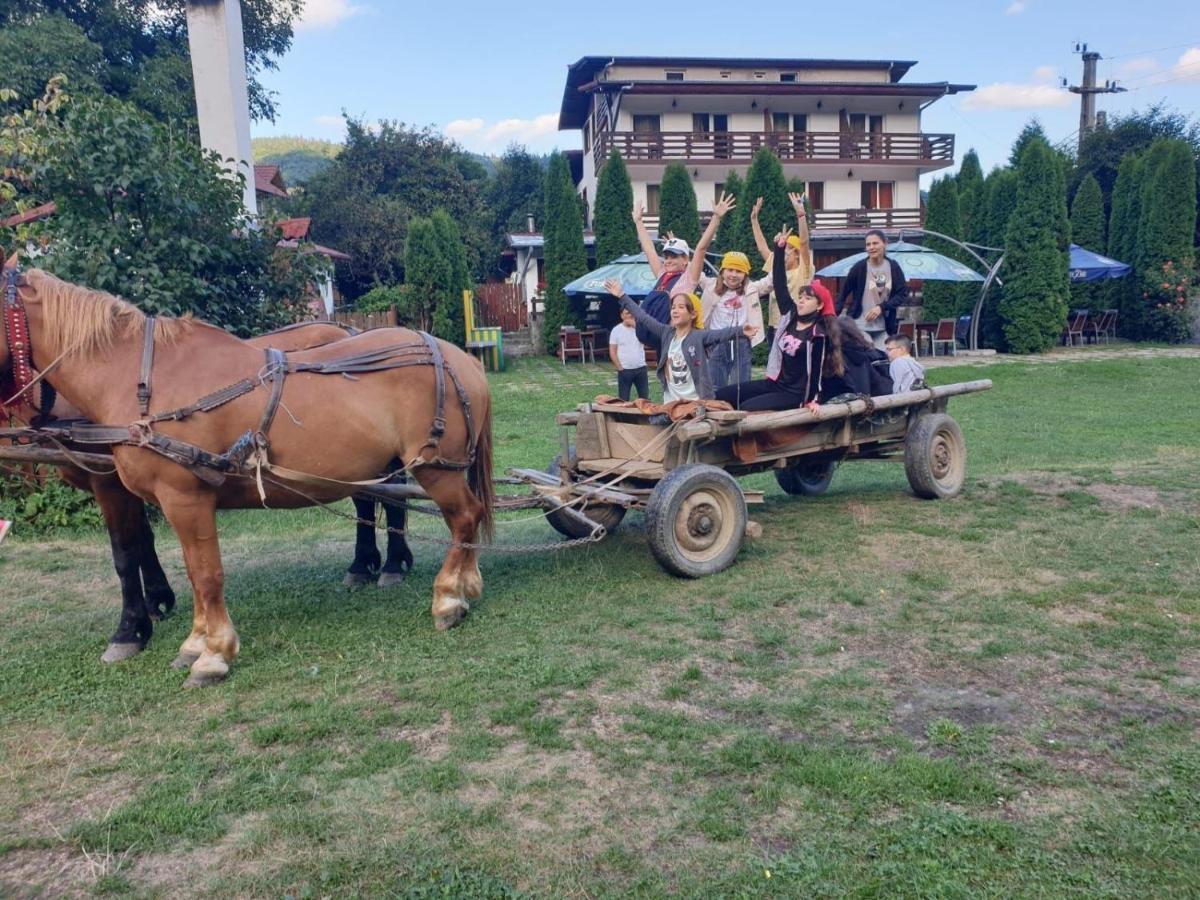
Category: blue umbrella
<point>1089,266</point>
<point>915,262</point>
<point>633,272</point>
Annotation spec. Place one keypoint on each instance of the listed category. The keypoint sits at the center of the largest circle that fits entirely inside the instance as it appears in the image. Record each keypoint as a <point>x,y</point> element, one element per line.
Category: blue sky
<point>488,74</point>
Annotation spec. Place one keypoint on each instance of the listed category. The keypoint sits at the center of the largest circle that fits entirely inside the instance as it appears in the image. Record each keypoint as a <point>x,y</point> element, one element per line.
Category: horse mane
<point>83,322</point>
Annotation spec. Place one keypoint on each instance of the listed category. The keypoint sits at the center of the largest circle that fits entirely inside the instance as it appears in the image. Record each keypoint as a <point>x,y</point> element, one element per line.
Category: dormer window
<point>674,76</point>
<point>787,77</point>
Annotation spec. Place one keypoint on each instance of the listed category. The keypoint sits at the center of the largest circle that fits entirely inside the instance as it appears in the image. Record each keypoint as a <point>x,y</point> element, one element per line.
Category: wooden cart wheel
<point>935,457</point>
<point>696,520</point>
<point>806,479</point>
<point>607,514</point>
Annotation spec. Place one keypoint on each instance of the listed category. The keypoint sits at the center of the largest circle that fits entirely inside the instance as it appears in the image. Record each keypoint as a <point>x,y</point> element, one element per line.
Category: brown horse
<point>339,428</point>
<point>146,594</point>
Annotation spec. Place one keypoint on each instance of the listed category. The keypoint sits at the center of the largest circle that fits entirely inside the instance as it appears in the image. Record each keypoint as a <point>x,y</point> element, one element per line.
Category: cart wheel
<point>696,519</point>
<point>806,479</point>
<point>935,457</point>
<point>607,514</point>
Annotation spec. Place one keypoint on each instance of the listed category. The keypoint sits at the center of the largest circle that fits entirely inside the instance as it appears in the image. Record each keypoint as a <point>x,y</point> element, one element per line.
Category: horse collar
<point>16,333</point>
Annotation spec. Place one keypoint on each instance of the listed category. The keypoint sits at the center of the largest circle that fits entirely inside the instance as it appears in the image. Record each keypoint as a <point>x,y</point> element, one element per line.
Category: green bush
<point>43,507</point>
<point>381,298</point>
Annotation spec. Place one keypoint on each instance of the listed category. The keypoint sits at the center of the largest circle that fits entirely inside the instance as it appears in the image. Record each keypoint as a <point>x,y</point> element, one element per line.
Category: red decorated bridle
<point>15,384</point>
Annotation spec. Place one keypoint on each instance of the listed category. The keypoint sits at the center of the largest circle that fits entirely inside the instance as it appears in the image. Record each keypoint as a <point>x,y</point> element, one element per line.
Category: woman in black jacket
<point>874,289</point>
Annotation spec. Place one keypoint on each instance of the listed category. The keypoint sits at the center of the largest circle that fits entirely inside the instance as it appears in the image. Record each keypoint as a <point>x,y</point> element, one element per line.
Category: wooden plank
<point>627,440</point>
<point>48,457</point>
<point>636,468</point>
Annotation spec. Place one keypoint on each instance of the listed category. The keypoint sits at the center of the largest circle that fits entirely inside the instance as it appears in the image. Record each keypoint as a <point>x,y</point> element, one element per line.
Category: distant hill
<point>298,158</point>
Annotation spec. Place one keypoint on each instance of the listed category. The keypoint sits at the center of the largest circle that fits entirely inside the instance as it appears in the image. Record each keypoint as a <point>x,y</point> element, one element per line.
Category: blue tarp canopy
<point>633,272</point>
<point>1089,266</point>
<point>915,261</point>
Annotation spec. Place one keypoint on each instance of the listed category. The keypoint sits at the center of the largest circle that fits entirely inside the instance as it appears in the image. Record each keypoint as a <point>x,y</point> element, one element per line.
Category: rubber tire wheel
<point>606,514</point>
<point>696,520</point>
<point>935,457</point>
<point>806,479</point>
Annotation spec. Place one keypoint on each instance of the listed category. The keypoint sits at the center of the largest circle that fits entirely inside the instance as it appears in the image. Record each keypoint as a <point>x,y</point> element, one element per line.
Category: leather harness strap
<point>143,388</point>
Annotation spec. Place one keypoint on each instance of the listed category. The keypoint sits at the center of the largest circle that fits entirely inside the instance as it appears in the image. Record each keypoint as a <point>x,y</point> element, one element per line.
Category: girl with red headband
<point>807,346</point>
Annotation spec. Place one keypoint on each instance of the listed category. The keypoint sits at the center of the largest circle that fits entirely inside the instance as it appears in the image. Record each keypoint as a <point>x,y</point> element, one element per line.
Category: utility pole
<point>1088,90</point>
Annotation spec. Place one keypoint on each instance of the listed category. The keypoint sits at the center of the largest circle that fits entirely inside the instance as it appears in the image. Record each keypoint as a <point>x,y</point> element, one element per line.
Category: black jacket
<point>849,301</point>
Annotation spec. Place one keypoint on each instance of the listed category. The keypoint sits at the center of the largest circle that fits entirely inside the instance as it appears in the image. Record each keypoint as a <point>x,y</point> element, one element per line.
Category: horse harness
<point>14,386</point>
<point>251,449</point>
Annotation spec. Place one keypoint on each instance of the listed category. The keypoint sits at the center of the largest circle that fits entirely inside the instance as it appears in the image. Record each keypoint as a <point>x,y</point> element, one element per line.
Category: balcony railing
<point>831,219</point>
<point>794,146</point>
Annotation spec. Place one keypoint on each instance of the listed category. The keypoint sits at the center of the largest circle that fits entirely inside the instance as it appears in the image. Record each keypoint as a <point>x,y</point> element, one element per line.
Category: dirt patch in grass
<point>1124,497</point>
<point>182,870</point>
<point>56,872</point>
<point>431,742</point>
<point>967,706</point>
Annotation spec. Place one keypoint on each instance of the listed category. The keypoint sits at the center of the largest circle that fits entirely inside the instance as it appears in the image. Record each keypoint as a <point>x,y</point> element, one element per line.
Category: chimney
<point>529,222</point>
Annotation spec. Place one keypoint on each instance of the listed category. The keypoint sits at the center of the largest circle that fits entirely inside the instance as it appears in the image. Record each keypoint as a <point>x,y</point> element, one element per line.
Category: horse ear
<point>11,261</point>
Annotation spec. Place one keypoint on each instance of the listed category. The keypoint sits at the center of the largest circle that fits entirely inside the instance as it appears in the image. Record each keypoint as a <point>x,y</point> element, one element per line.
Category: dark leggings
<point>759,395</point>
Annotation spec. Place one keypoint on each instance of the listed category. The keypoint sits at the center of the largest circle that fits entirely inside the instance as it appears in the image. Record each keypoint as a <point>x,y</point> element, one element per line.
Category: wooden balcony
<point>726,147</point>
<point>842,219</point>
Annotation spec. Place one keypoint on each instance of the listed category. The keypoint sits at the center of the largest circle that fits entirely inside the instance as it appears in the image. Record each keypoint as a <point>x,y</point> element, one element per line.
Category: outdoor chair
<point>909,330</point>
<point>1106,328</point>
<point>1076,325</point>
<point>944,335</point>
<point>570,342</point>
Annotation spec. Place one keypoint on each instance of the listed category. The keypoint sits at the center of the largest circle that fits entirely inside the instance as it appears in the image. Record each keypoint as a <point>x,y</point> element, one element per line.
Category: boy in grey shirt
<point>906,372</point>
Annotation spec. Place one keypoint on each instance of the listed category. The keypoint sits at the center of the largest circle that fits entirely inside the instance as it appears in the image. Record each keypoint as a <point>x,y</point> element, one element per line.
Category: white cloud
<point>478,134</point>
<point>1045,73</point>
<point>1142,65</point>
<point>1006,95</point>
<point>1015,8</point>
<point>325,13</point>
<point>1188,67</point>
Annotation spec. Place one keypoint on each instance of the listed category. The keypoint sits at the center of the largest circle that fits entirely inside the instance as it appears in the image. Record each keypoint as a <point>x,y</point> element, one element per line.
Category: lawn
<point>995,695</point>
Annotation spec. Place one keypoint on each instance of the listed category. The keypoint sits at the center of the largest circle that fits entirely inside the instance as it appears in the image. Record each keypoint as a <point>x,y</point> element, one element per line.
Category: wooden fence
<point>501,306</point>
<point>366,321</point>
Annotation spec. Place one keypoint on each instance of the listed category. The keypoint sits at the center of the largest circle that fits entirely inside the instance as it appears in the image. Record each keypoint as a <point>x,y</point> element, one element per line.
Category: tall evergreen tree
<point>564,250</point>
<point>726,234</point>
<point>449,317</point>
<point>677,205</point>
<point>1034,307</point>
<point>1002,200</point>
<point>1087,230</point>
<point>969,182</point>
<point>941,298</point>
<point>763,179</point>
<point>427,273</point>
<point>616,234</point>
<point>1125,294</point>
<point>1165,256</point>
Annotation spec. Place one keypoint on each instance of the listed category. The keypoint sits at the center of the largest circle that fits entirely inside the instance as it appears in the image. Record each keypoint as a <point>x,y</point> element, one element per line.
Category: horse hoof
<point>184,660</point>
<point>391,579</point>
<point>448,620</point>
<point>354,580</point>
<point>204,679</point>
<point>118,652</point>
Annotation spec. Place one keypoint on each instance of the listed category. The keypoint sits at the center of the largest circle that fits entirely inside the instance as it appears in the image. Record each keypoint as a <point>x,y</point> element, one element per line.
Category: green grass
<point>994,695</point>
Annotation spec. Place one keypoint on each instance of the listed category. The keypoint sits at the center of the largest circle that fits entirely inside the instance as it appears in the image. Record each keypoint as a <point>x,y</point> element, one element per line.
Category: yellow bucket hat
<point>737,261</point>
<point>696,306</point>
<point>794,242</point>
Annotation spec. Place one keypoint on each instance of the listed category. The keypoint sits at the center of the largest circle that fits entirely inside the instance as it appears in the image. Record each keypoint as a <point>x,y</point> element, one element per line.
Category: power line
<point>1155,50</point>
<point>1177,77</point>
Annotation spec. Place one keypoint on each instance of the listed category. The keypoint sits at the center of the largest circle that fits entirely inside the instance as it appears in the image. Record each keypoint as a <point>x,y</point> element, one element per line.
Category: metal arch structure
<point>993,276</point>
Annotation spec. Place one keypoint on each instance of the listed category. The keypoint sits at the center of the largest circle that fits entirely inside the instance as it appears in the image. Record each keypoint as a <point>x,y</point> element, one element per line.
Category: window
<point>877,194</point>
<point>585,209</point>
<point>674,76</point>
<point>799,122</point>
<point>783,122</point>
<point>700,122</point>
<point>787,77</point>
<point>718,190</point>
<point>587,144</point>
<point>816,194</point>
<point>652,198</point>
<point>862,123</point>
<point>646,124</point>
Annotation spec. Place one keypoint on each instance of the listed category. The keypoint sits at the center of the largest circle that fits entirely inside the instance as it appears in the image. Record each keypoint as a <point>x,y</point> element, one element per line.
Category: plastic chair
<point>1107,326</point>
<point>944,335</point>
<point>909,330</point>
<point>1076,322</point>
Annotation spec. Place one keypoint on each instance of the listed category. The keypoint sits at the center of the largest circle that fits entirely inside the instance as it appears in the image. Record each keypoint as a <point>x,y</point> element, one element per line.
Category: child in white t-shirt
<point>629,358</point>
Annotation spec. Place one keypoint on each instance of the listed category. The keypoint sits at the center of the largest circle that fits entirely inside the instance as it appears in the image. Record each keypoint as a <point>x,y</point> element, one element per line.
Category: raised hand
<point>614,287</point>
<point>756,209</point>
<point>797,201</point>
<point>638,211</point>
<point>784,233</point>
<point>722,207</point>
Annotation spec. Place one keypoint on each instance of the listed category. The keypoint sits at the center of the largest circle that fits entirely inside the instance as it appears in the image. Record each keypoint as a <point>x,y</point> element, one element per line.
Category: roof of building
<point>31,215</point>
<point>581,80</point>
<point>294,235</point>
<point>269,180</point>
<point>294,229</point>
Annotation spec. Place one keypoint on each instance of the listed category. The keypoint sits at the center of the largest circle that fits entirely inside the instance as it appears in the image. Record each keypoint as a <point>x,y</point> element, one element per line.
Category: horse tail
<point>479,476</point>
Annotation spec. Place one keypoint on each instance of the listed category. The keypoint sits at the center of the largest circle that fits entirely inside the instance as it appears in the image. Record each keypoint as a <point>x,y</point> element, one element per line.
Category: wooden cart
<point>683,475</point>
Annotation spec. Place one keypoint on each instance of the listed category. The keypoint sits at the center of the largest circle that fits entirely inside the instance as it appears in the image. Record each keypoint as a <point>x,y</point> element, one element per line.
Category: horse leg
<point>213,642</point>
<point>459,576</point>
<point>366,554</point>
<point>160,598</point>
<point>399,560</point>
<point>123,513</point>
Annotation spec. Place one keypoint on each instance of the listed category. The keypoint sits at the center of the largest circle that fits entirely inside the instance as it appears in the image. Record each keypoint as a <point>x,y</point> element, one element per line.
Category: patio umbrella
<point>1089,266</point>
<point>633,272</point>
<point>915,262</point>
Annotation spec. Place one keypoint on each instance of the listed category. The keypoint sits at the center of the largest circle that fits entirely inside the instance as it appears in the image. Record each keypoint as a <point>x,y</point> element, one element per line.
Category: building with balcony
<point>849,129</point>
